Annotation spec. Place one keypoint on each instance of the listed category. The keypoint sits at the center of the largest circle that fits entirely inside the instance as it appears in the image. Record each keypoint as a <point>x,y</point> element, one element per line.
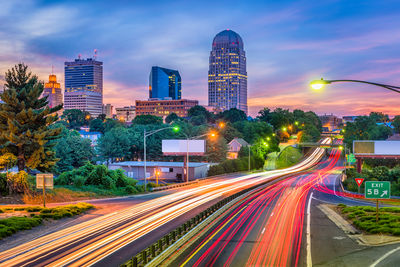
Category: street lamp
<point>145,135</point>
<point>212,134</point>
<point>319,84</point>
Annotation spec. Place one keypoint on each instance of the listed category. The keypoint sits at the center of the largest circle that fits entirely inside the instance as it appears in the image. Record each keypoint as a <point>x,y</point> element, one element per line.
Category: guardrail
<point>160,188</point>
<point>146,255</point>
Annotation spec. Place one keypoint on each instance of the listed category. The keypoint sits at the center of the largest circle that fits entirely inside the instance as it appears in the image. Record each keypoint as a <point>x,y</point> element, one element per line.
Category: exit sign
<point>377,190</point>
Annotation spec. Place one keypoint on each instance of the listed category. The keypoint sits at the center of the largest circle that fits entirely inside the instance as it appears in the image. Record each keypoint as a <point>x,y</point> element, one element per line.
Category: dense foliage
<point>25,119</point>
<point>100,176</point>
<point>237,165</point>
<point>72,150</point>
<point>366,128</point>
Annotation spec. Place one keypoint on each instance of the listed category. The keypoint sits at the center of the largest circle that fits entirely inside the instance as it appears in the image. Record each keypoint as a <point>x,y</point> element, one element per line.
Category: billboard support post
<point>185,148</point>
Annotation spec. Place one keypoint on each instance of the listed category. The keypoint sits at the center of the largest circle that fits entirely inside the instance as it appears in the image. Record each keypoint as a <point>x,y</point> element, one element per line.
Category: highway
<point>281,225</point>
<point>268,228</point>
<point>95,242</point>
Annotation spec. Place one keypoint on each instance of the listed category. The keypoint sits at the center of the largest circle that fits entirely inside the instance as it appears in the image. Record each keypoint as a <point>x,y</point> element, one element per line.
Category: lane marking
<point>385,256</point>
<point>263,231</point>
<point>211,237</point>
<point>308,232</point>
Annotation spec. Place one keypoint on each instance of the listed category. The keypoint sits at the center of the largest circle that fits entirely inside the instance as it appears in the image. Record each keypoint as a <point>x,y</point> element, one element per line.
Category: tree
<point>379,117</point>
<point>25,118</point>
<point>114,144</point>
<point>97,125</point>
<point>216,150</point>
<point>310,133</point>
<point>396,124</point>
<point>365,128</point>
<point>73,151</point>
<point>76,118</point>
<point>110,124</point>
<point>198,120</point>
<point>102,117</point>
<point>201,111</point>
<point>233,115</point>
<point>171,118</point>
<point>147,119</point>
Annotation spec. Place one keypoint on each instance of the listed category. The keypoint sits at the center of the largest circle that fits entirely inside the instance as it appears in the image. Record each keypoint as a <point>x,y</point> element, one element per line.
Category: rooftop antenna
<point>52,69</point>
<point>95,54</point>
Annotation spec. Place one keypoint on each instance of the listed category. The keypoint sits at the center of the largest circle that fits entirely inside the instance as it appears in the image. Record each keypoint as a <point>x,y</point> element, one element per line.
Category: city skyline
<point>288,44</point>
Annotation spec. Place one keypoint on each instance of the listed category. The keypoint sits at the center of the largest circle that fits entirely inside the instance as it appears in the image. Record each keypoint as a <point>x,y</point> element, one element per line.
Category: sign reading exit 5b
<point>377,190</point>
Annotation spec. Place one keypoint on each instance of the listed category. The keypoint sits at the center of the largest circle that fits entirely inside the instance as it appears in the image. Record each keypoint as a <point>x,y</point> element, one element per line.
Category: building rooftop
<point>240,141</point>
<point>157,164</point>
<point>228,37</point>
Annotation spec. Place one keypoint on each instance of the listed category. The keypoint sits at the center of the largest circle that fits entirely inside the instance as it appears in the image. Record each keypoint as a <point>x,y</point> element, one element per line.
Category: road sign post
<point>359,182</point>
<point>377,190</point>
<point>43,181</point>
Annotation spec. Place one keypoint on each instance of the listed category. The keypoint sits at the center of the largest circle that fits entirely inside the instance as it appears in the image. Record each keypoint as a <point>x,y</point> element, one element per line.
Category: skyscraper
<point>227,75</point>
<point>52,90</point>
<point>84,85</point>
<point>165,83</point>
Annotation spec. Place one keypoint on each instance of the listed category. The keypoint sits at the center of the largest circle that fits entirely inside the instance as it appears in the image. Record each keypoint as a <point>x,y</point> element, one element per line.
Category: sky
<point>287,44</point>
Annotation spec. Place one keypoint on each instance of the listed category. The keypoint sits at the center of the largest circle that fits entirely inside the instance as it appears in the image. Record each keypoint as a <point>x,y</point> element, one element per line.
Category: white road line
<point>308,232</point>
<point>263,231</point>
<point>385,256</point>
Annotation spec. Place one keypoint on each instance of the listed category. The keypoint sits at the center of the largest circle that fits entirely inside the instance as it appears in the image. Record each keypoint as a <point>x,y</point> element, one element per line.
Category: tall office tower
<point>227,76</point>
<point>84,85</point>
<point>52,90</point>
<point>165,83</point>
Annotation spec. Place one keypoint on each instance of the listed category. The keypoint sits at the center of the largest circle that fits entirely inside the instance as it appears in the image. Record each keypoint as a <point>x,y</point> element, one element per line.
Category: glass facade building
<point>84,79</point>
<point>165,83</point>
<point>227,75</point>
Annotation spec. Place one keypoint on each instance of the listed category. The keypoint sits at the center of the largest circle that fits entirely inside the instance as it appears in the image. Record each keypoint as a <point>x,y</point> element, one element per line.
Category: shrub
<point>11,225</point>
<point>215,170</point>
<point>131,189</point>
<point>79,181</point>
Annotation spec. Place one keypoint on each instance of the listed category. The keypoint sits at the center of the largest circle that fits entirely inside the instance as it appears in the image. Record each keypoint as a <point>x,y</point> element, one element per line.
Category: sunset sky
<point>287,44</point>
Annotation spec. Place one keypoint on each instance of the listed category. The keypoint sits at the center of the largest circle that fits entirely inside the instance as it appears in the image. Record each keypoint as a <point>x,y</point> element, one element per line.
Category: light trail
<point>279,236</point>
<point>89,242</point>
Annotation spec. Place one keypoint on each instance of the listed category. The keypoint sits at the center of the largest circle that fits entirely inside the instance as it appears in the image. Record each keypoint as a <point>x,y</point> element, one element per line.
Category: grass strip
<point>11,225</point>
<point>364,218</point>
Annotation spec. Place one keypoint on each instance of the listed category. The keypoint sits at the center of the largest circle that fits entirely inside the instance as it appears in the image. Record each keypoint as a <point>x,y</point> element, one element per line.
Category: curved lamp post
<point>211,134</point>
<point>319,84</point>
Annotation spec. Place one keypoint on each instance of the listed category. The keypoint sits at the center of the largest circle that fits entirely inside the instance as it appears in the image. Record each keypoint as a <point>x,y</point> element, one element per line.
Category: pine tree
<point>25,119</point>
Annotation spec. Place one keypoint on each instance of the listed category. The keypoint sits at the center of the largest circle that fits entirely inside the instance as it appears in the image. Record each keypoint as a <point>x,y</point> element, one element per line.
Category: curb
<point>339,221</point>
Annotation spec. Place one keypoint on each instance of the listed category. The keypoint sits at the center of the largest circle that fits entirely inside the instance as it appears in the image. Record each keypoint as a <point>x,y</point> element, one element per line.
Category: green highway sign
<point>351,158</point>
<point>377,190</point>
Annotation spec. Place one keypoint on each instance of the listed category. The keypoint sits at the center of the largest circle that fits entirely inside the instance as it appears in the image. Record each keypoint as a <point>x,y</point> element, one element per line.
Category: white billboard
<point>369,147</point>
<point>180,147</point>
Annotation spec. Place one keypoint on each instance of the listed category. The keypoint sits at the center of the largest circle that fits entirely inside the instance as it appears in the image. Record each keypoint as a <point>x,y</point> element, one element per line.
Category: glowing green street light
<point>145,135</point>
